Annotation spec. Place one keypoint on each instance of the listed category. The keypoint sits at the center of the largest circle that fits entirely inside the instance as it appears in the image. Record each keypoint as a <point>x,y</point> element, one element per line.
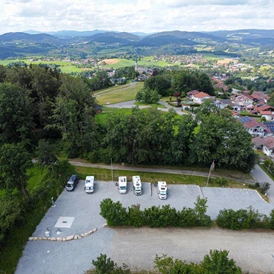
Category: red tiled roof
<point>264,108</point>
<point>265,112</point>
<point>201,95</point>
<point>252,123</point>
<point>269,142</point>
<point>192,92</point>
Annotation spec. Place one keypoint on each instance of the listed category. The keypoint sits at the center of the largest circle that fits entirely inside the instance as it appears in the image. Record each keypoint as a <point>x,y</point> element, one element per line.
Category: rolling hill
<point>100,42</point>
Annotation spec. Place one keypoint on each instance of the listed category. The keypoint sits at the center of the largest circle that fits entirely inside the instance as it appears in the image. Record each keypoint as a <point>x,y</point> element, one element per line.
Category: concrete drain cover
<point>64,222</point>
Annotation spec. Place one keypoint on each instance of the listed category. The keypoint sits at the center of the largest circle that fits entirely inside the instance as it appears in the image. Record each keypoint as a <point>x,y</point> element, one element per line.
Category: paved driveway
<point>73,257</point>
<point>261,176</point>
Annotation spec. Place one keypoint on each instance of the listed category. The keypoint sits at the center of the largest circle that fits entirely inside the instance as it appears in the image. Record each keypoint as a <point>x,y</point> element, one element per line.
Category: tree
<point>45,153</point>
<point>16,114</point>
<point>14,162</point>
<point>219,138</point>
<point>148,96</point>
<point>114,213</point>
<point>217,262</point>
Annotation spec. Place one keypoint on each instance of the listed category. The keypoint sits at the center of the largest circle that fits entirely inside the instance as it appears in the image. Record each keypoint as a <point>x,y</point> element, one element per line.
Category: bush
<point>242,219</point>
<point>164,216</point>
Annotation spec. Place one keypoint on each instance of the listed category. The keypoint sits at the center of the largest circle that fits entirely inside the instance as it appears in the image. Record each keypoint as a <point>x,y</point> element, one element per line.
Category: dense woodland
<point>45,114</point>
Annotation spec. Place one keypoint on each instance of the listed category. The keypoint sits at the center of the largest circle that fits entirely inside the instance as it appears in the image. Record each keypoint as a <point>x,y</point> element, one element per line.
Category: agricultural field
<point>66,67</point>
<point>118,94</point>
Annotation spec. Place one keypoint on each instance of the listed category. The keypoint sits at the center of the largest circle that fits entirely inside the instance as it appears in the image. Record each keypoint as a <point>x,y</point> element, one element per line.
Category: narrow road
<point>157,170</point>
<point>259,175</point>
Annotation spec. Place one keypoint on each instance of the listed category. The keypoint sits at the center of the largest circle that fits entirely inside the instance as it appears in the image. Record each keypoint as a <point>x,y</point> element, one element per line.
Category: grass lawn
<point>102,117</point>
<point>151,105</point>
<point>118,94</point>
<point>152,177</point>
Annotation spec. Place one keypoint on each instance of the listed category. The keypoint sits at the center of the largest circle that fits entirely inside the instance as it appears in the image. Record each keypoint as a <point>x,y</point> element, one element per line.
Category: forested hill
<point>20,44</point>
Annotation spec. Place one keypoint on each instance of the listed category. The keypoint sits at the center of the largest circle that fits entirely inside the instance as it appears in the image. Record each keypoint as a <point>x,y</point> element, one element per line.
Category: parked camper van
<point>122,184</point>
<point>89,184</point>
<point>162,190</point>
<point>137,185</point>
<point>72,182</point>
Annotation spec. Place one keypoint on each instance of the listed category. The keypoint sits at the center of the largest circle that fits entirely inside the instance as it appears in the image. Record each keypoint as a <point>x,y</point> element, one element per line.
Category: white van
<point>162,190</point>
<point>122,184</point>
<point>89,184</point>
<point>137,185</point>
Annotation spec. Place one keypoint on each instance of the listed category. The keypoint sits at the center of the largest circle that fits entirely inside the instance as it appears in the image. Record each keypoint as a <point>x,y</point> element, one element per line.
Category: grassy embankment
<point>13,247</point>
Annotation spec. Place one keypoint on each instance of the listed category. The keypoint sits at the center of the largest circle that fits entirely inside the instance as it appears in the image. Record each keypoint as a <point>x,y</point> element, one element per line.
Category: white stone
<point>69,238</point>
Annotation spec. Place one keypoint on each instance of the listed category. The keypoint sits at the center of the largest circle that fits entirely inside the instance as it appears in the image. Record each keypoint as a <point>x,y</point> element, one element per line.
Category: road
<point>259,175</point>
<point>130,104</point>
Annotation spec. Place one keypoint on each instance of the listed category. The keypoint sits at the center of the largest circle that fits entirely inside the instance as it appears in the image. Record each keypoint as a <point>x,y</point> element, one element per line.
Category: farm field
<point>66,67</point>
<point>118,94</point>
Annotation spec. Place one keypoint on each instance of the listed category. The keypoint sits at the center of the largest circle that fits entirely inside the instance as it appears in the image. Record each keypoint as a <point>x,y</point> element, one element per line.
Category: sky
<point>135,15</point>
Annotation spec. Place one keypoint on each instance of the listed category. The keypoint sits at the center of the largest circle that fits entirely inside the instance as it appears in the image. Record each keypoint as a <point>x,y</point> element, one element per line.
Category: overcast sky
<point>135,15</point>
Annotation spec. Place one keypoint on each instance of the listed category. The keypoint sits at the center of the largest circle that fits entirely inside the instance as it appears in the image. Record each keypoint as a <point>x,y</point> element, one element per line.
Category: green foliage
<point>222,181</point>
<point>148,96</point>
<point>14,162</point>
<point>16,114</point>
<point>164,216</point>
<point>104,265</point>
<point>219,139</point>
<point>160,83</point>
<point>10,212</point>
<point>242,219</point>
<point>114,213</point>
<point>217,262</point>
<point>45,153</point>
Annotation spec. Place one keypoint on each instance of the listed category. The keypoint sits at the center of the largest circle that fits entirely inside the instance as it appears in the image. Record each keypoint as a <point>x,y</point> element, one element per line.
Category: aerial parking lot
<point>77,212</point>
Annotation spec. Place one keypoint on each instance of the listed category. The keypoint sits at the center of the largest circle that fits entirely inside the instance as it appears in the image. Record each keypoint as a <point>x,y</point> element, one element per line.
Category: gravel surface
<point>137,247</point>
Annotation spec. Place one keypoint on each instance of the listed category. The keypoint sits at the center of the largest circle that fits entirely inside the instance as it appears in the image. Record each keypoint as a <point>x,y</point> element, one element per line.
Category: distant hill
<point>34,38</point>
<point>98,42</point>
<point>243,34</point>
<point>74,33</point>
<point>123,38</point>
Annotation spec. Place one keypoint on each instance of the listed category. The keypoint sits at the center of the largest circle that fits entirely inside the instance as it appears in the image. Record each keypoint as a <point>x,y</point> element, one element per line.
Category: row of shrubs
<point>117,215</point>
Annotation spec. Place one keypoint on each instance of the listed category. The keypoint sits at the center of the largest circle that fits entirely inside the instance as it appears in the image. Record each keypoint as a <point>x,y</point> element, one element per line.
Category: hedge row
<point>117,215</point>
<point>244,219</point>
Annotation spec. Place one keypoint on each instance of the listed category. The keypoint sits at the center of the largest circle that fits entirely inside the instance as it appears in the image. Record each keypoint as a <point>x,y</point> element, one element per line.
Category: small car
<point>72,182</point>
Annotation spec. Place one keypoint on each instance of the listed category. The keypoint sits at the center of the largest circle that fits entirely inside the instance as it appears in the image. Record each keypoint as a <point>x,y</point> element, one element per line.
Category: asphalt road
<point>259,175</point>
<point>132,246</point>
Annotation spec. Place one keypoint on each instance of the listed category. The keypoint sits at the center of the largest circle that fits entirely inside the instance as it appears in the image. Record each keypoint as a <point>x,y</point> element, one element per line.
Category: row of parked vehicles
<point>122,185</point>
<point>138,188</point>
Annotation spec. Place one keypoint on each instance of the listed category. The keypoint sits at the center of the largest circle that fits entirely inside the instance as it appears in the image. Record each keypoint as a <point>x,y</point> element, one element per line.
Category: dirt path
<point>138,247</point>
<point>76,162</point>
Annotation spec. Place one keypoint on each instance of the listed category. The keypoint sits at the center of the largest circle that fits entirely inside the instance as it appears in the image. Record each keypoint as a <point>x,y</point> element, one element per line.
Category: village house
<point>255,128</point>
<point>266,144</point>
<point>200,97</point>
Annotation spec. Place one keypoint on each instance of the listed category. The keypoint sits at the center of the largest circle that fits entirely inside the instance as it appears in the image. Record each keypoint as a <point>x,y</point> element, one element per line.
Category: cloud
<point>135,15</point>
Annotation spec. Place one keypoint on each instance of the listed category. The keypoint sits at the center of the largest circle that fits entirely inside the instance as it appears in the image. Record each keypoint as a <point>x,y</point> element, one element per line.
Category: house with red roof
<point>266,144</point>
<point>200,97</point>
<point>255,128</point>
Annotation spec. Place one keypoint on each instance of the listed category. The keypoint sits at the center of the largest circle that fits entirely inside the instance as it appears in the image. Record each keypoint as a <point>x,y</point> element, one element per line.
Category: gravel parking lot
<point>252,250</point>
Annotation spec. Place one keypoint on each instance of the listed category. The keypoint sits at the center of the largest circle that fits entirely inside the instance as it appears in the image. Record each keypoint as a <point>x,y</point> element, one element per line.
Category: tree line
<point>167,83</point>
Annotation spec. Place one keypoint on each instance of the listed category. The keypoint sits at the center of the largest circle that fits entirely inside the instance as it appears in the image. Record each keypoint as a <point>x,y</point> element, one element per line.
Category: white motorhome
<point>122,184</point>
<point>137,185</point>
<point>162,190</point>
<point>89,184</point>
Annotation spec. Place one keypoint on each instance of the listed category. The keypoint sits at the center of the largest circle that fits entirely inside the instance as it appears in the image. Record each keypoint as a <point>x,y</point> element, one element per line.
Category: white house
<point>200,97</point>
